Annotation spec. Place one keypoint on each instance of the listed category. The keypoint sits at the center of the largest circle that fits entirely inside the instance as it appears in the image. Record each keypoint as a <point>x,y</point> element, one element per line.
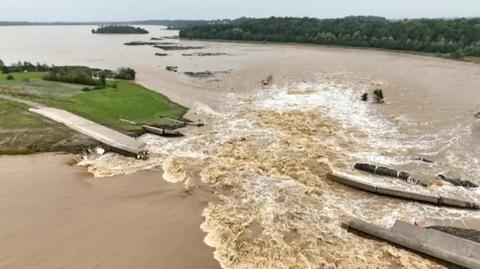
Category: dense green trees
<point>23,67</point>
<point>452,37</point>
<point>77,75</point>
<point>125,73</point>
<point>119,29</point>
<point>88,76</point>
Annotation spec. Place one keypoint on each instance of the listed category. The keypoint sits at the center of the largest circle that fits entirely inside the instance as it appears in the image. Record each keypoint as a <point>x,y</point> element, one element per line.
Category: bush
<point>125,73</point>
<point>77,75</point>
<point>378,93</point>
<point>10,77</point>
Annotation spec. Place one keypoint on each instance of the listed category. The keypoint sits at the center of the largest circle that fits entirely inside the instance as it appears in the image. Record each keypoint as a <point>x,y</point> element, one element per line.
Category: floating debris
<point>171,68</point>
<point>423,160</point>
<point>202,54</point>
<point>365,97</point>
<point>202,75</point>
<point>178,47</point>
<point>147,43</point>
<point>458,182</point>
<point>268,80</point>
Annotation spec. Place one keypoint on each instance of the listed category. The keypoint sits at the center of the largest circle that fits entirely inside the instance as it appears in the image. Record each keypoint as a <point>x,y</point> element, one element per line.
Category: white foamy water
<point>269,156</point>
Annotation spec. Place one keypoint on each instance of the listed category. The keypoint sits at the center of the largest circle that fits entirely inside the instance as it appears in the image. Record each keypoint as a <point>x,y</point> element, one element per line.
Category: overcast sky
<point>106,10</point>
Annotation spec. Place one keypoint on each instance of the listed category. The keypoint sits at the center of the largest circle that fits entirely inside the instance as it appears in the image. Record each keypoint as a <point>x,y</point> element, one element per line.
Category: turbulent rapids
<point>268,157</point>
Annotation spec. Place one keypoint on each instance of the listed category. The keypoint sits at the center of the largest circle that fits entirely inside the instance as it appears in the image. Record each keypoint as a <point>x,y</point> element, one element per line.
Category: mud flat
<point>58,216</point>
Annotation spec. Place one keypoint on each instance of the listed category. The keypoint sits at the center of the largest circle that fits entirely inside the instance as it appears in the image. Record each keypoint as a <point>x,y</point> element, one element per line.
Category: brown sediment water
<point>266,150</point>
<point>57,216</point>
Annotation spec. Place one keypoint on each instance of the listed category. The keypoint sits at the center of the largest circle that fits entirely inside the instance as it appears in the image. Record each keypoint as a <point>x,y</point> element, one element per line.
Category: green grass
<point>23,132</point>
<point>108,106</point>
<point>128,101</point>
<point>22,76</point>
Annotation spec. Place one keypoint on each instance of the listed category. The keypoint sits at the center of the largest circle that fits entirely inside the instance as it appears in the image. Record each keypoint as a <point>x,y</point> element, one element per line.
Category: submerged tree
<point>125,73</point>
<point>378,93</point>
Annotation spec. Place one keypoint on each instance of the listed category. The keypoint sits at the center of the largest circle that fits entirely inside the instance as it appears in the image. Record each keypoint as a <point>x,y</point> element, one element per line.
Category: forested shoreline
<point>454,38</point>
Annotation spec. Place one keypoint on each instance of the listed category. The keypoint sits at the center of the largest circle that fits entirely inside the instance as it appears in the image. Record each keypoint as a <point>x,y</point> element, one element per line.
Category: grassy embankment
<point>24,132</point>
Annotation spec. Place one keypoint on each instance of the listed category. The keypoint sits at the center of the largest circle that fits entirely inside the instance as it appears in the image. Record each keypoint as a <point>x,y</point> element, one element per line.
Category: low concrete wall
<point>414,240</point>
<point>419,197</point>
<point>459,246</point>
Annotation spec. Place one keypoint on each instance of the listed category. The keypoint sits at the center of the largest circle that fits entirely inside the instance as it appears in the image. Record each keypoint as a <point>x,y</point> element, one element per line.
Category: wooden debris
<point>423,160</point>
<point>268,80</point>
<point>365,97</point>
<point>172,68</point>
<point>458,182</point>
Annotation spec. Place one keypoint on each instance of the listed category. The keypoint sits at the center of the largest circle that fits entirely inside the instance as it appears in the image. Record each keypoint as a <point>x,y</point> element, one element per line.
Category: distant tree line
<point>452,37</point>
<point>119,29</point>
<point>71,74</point>
<point>23,67</point>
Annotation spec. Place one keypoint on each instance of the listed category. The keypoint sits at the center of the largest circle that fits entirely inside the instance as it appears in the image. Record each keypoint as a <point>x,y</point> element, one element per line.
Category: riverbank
<point>24,132</point>
<point>66,218</point>
<point>119,105</point>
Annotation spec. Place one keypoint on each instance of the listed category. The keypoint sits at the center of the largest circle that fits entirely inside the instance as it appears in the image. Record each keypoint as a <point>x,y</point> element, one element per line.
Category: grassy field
<point>22,76</point>
<point>22,132</point>
<point>107,106</point>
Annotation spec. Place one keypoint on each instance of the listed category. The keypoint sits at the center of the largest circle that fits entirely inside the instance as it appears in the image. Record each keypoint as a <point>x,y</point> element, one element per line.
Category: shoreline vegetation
<point>455,38</point>
<point>119,29</point>
<point>83,91</point>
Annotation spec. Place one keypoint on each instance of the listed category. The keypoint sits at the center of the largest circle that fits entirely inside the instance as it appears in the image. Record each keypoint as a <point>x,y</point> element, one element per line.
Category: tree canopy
<point>119,29</point>
<point>452,37</point>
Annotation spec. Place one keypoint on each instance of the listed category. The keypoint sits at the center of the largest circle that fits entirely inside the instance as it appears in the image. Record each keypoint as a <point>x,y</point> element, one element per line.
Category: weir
<point>114,140</point>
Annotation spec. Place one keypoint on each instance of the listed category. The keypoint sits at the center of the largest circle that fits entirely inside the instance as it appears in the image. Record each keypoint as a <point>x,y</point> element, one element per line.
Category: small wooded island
<point>119,29</point>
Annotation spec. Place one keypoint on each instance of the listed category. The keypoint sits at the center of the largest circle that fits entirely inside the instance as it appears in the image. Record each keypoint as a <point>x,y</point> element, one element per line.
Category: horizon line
<point>170,20</point>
